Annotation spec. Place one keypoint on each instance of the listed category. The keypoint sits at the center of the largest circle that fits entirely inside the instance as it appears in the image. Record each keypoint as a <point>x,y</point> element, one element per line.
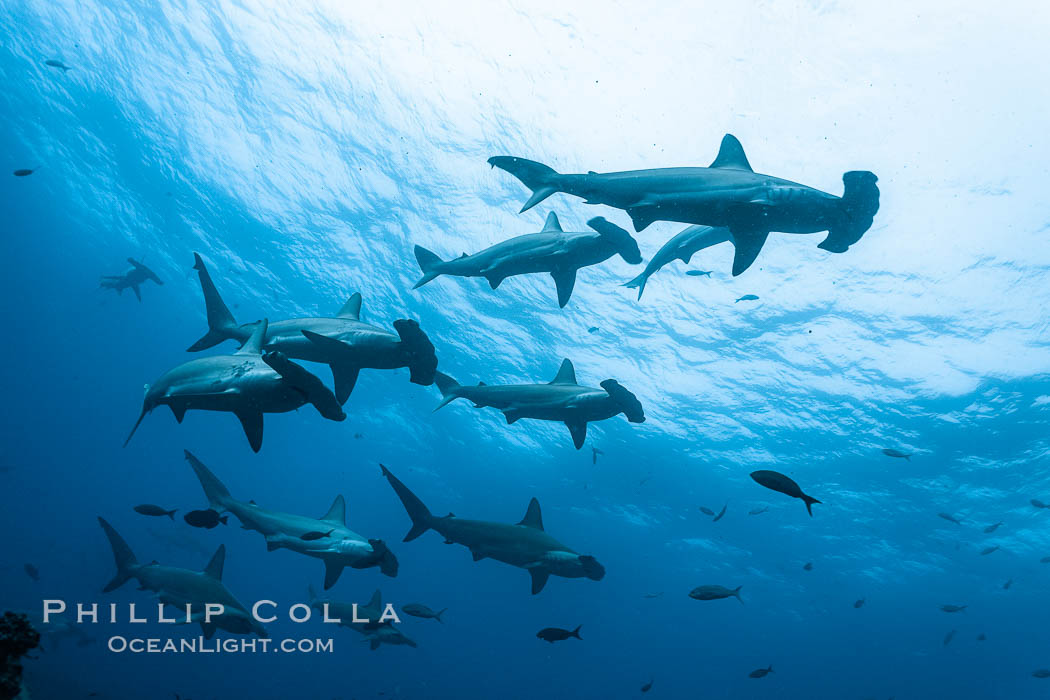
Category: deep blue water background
<point>304,152</point>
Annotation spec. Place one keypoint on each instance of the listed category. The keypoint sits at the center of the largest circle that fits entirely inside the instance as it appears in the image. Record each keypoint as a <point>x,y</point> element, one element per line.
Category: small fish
<point>1038,504</point>
<point>32,572</point>
<point>706,511</point>
<point>759,511</point>
<point>721,513</point>
<point>316,535</point>
<point>25,172</point>
<point>420,610</point>
<point>699,273</point>
<point>650,596</point>
<point>780,483</point>
<point>648,686</point>
<point>593,329</point>
<point>58,64</point>
<point>761,672</point>
<point>808,566</point>
<point>953,608</point>
<point>714,592</point>
<point>989,550</point>
<point>557,634</point>
<point>358,436</point>
<point>859,603</point>
<point>992,528</point>
<point>890,452</point>
<point>594,455</point>
<point>950,518</point>
<point>150,509</point>
<point>206,518</point>
<point>747,297</point>
<point>1045,560</point>
<point>1041,673</point>
<point>1009,582</point>
<point>948,638</point>
<point>982,637</point>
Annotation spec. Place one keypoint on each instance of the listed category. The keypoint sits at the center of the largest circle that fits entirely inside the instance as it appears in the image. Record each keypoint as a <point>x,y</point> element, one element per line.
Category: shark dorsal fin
<point>337,513</point>
<point>532,516</point>
<point>376,601</point>
<point>253,346</point>
<point>352,308</point>
<point>552,224</point>
<point>731,155</point>
<point>214,567</point>
<point>566,373</point>
<point>482,384</point>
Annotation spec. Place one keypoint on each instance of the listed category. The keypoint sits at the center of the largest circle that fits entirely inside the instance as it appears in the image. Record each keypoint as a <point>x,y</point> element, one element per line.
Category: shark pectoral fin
<point>252,422</point>
<point>208,629</point>
<point>344,377</point>
<point>748,243</point>
<point>476,555</point>
<point>138,294</point>
<point>373,643</point>
<point>331,573</point>
<point>565,280</point>
<point>578,431</point>
<point>539,579</point>
<point>272,546</point>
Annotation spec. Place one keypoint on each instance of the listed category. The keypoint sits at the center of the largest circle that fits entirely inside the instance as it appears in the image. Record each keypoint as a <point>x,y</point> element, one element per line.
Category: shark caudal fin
<point>309,385</point>
<point>576,632</point>
<point>386,561</point>
<point>221,325</point>
<point>217,494</point>
<point>860,203</point>
<point>620,239</point>
<point>429,263</point>
<point>638,283</point>
<point>542,180</point>
<point>122,555</point>
<point>417,351</point>
<point>449,388</point>
<point>628,402</point>
<point>146,408</point>
<point>421,517</point>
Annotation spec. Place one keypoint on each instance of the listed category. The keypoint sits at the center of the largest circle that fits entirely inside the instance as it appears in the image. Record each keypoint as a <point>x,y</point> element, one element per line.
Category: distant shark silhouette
<point>375,632</point>
<point>340,547</point>
<point>551,250</point>
<point>525,545</point>
<point>247,383</point>
<point>181,587</point>
<point>681,247</point>
<point>131,279</point>
<point>727,193</point>
<point>561,400</point>
<point>343,342</point>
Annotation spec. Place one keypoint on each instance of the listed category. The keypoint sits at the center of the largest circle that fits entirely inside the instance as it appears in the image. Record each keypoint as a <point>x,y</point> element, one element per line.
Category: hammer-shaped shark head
<point>620,239</point>
<point>591,568</point>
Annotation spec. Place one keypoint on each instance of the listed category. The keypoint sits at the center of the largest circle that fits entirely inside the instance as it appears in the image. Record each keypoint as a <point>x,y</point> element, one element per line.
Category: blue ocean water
<point>304,149</point>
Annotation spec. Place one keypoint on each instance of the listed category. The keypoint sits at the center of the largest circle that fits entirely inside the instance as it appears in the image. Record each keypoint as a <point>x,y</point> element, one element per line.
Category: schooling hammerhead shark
<point>727,193</point>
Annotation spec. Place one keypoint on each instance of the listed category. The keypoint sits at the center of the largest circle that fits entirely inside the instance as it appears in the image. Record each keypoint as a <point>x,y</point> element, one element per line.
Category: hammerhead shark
<point>131,279</point>
<point>525,545</point>
<point>551,250</point>
<point>338,548</point>
<point>343,342</point>
<point>181,587</point>
<point>376,630</point>
<point>247,383</point>
<point>681,247</point>
<point>561,400</point>
<point>727,193</point>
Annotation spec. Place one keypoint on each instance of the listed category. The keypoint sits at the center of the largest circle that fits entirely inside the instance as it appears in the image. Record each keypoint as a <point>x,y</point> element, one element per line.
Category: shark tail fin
<point>145,409</point>
<point>122,555</point>
<point>429,263</point>
<point>541,179</point>
<point>217,494</point>
<point>221,325</point>
<point>860,203</point>
<point>576,632</point>
<point>449,388</point>
<point>439,614</point>
<point>809,501</point>
<point>736,594</point>
<point>421,517</point>
<point>418,352</point>
<point>620,239</point>
<point>638,283</point>
<point>385,559</point>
